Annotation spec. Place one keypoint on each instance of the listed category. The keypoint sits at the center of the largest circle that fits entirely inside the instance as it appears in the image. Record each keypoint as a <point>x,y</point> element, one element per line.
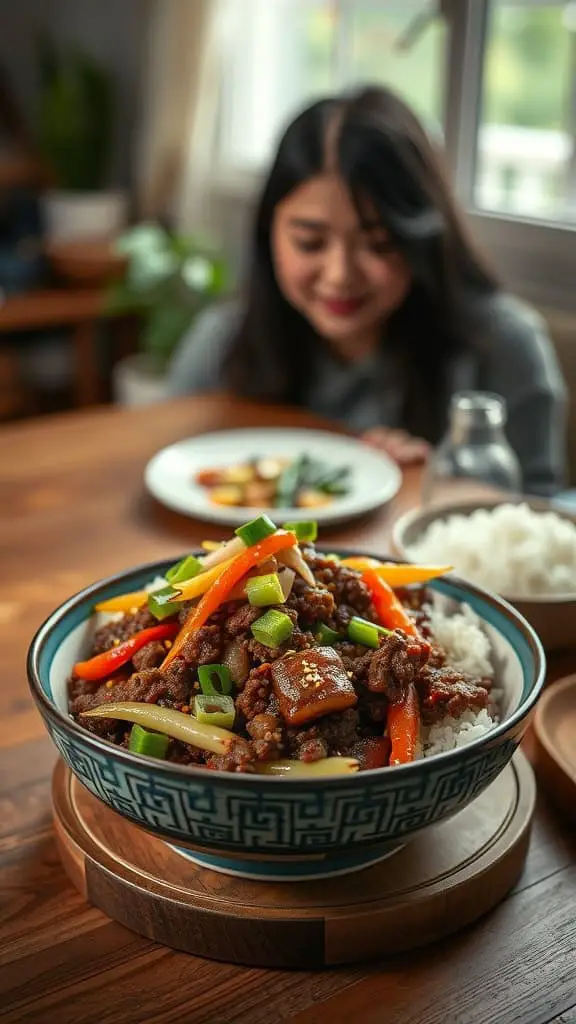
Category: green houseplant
<point>75,133</point>
<point>169,279</point>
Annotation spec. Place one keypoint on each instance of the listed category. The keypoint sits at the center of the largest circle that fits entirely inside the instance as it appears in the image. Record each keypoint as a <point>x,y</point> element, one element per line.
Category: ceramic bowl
<point>552,617</point>
<point>275,828</point>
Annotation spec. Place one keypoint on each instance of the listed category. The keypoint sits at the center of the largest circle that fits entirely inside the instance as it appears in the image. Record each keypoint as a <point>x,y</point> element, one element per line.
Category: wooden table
<point>72,508</point>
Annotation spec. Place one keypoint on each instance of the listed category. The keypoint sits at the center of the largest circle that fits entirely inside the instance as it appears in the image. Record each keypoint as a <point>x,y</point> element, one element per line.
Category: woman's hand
<point>400,446</point>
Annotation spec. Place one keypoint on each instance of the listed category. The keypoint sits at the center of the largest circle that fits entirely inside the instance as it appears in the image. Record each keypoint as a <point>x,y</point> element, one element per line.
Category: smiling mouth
<point>342,307</point>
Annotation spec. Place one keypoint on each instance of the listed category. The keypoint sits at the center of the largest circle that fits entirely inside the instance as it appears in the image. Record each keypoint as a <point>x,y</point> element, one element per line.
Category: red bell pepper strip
<point>390,609</point>
<point>105,664</point>
<point>404,727</point>
<point>222,587</point>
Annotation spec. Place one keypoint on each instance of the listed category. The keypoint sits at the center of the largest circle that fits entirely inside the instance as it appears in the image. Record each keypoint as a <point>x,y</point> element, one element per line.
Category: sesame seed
<point>109,684</point>
<point>115,643</point>
<point>167,644</point>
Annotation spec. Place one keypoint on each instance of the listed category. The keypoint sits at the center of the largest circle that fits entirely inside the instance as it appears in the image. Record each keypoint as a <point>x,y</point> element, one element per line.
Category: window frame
<point>535,258</point>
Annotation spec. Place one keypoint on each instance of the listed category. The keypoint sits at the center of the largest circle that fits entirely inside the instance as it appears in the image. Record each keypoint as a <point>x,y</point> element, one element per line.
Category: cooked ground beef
<point>239,758</point>
<point>298,641</point>
<point>255,695</point>
<point>396,664</point>
<point>183,753</point>
<point>121,629</point>
<point>150,686</point>
<point>312,749</point>
<point>446,691</point>
<point>372,707</point>
<point>240,620</point>
<point>204,647</point>
<point>336,732</point>
<point>267,734</point>
<point>150,656</point>
<point>310,605</point>
<point>343,583</point>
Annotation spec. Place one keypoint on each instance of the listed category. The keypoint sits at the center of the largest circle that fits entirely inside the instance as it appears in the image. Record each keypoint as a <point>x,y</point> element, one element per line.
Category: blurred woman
<point>366,301</point>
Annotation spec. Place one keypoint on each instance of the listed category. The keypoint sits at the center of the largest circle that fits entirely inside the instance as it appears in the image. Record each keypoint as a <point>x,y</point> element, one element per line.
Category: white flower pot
<point>81,215</point>
<point>134,383</point>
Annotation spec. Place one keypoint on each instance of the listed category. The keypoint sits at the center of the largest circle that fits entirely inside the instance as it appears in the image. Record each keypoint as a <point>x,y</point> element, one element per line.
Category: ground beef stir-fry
<point>324,683</point>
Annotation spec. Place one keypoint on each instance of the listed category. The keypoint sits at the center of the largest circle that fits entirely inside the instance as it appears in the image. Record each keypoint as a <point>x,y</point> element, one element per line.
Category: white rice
<point>468,649</point>
<point>510,549</point>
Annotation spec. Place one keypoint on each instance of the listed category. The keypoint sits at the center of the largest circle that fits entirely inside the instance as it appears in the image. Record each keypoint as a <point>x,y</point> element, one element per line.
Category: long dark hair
<point>383,154</point>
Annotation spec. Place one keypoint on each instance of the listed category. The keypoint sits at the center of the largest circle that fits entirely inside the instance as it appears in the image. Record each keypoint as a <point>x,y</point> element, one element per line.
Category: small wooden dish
<point>555,731</point>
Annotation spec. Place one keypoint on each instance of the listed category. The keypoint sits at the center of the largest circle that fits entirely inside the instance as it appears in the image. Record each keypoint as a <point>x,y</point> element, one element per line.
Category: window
<point>526,161</point>
<point>287,52</point>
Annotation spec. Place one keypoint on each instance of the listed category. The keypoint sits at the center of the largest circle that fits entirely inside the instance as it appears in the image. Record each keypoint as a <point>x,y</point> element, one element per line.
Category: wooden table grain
<point>73,508</point>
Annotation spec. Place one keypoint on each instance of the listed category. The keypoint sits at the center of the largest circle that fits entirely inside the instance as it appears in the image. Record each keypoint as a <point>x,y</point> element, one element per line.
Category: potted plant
<point>169,279</point>
<point>75,128</point>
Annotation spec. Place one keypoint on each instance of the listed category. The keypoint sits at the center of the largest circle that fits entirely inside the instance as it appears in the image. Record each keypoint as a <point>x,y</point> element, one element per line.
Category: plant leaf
<point>165,327</point>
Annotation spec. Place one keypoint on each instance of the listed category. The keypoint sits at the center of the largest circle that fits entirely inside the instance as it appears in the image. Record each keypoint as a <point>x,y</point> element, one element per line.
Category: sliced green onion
<point>324,635</point>
<point>307,530</point>
<point>153,744</point>
<point>368,634</point>
<point>208,675</point>
<point>264,590</point>
<point>163,603</point>
<point>288,483</point>
<point>217,710</point>
<point>186,569</point>
<point>272,629</point>
<point>256,530</point>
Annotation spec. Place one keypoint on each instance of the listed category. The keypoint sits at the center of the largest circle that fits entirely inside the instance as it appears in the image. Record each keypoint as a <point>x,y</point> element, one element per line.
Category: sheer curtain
<point>181,96</point>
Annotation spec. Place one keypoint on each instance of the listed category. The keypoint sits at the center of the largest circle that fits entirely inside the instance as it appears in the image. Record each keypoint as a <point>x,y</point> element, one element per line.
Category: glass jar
<point>474,448</point>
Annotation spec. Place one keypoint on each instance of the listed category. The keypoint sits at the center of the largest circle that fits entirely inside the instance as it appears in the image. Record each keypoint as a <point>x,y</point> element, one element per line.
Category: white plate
<point>170,474</point>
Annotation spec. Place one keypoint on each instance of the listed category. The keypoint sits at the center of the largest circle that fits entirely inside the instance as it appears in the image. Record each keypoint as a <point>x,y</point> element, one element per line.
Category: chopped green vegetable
<point>164,602</point>
<point>289,483</point>
<point>153,744</point>
<point>360,631</point>
<point>305,531</point>
<point>185,569</point>
<point>324,635</point>
<point>256,530</point>
<point>272,629</point>
<point>264,590</point>
<point>215,709</point>
<point>334,482</point>
<point>210,675</point>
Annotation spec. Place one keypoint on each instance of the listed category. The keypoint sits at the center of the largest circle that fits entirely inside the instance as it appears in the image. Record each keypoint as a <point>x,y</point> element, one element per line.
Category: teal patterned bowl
<point>271,828</point>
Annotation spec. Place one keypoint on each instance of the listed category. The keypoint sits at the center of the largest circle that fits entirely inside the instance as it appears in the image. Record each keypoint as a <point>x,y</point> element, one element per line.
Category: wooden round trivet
<point>439,882</point>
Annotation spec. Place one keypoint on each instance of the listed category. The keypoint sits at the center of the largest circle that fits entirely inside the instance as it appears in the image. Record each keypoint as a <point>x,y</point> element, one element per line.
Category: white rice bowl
<point>509,549</point>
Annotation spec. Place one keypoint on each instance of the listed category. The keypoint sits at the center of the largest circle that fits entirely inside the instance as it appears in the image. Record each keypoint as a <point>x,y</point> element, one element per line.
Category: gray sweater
<point>518,363</point>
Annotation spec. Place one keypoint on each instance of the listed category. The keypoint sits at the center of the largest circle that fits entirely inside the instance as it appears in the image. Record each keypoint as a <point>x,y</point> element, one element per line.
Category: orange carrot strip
<point>223,586</point>
<point>404,727</point>
<point>390,609</point>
